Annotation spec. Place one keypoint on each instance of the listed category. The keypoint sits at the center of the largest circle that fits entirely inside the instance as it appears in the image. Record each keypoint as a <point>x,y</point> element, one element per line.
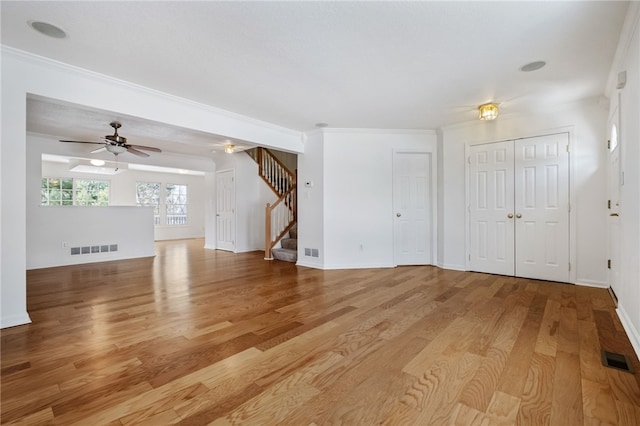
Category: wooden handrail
<point>274,230</point>
<point>273,172</point>
<point>282,215</point>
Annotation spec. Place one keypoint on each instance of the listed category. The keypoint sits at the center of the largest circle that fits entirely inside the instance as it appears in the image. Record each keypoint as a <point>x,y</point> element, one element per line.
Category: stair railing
<point>279,219</point>
<point>282,214</point>
<point>279,178</point>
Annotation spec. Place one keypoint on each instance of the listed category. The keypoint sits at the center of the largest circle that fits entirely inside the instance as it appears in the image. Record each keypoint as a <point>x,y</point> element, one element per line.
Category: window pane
<point>148,194</point>
<point>91,192</point>
<point>176,203</point>
<point>54,183</point>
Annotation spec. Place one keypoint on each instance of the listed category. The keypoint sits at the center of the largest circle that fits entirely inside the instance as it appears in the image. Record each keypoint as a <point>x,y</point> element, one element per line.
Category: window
<point>176,202</point>
<point>89,192</point>
<point>74,192</point>
<point>148,194</point>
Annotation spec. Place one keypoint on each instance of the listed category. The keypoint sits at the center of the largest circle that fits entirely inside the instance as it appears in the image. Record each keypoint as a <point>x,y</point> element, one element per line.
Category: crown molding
<point>58,66</point>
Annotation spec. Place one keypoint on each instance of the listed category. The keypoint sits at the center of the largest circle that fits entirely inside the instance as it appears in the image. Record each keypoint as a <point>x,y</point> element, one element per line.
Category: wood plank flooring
<point>197,337</point>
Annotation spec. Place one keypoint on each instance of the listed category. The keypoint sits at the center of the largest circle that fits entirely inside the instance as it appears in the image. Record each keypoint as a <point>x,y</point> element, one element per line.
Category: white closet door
<point>542,207</point>
<point>491,203</point>
<point>412,205</point>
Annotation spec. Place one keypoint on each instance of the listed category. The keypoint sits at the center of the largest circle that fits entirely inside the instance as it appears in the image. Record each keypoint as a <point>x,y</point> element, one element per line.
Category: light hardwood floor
<point>197,336</point>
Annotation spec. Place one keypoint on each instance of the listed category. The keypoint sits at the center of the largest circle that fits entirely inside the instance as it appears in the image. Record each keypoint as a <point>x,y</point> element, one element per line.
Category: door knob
<point>518,215</point>
<point>398,215</point>
<point>510,215</point>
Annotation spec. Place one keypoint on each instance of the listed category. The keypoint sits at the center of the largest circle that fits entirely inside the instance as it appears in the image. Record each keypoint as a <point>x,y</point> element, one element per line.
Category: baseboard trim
<point>451,267</point>
<point>592,283</point>
<point>372,266</point>
<point>309,265</point>
<point>633,334</point>
<point>15,320</point>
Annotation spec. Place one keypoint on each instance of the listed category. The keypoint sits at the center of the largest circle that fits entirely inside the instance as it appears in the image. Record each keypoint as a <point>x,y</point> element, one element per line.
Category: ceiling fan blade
<point>97,143</point>
<point>136,152</point>
<point>99,150</point>
<point>146,148</point>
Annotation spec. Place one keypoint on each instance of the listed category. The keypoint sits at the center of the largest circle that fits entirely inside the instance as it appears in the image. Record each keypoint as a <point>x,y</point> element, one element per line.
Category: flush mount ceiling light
<point>47,29</point>
<point>533,66</point>
<point>488,111</point>
<point>97,162</point>
<point>229,148</point>
<point>321,125</point>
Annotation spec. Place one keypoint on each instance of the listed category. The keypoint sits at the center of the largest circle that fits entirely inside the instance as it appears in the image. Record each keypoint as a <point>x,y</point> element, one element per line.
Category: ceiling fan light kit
<point>117,144</point>
<point>488,111</point>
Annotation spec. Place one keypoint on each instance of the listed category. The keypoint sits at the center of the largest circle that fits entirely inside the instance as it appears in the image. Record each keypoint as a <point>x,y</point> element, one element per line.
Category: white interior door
<point>614,202</point>
<point>491,200</point>
<point>412,208</point>
<point>542,207</point>
<point>225,210</point>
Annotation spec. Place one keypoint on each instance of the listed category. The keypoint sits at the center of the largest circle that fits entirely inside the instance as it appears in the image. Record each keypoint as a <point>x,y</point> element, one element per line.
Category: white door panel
<point>225,210</point>
<point>519,208</point>
<point>614,201</point>
<point>542,207</point>
<point>491,203</point>
<point>412,208</point>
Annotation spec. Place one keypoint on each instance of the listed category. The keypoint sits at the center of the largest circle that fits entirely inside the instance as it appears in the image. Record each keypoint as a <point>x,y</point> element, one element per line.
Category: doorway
<point>225,210</point>
<point>412,204</point>
<point>519,208</point>
<point>613,203</point>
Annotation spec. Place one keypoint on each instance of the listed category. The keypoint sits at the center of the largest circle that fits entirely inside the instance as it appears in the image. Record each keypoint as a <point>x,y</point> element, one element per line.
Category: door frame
<point>432,154</point>
<point>614,119</point>
<point>570,130</point>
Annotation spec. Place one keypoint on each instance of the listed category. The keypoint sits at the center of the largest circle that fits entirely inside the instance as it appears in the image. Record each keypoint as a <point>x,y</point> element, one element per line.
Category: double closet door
<point>519,208</point>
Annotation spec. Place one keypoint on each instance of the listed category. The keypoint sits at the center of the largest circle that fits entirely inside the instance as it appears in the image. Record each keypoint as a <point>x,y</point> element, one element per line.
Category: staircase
<point>281,216</point>
<point>289,250</point>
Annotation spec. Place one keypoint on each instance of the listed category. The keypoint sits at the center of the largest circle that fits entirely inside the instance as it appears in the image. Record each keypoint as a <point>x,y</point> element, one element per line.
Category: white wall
<point>587,122</point>
<point>357,194</point>
<point>24,74</point>
<point>311,188</point>
<point>628,59</point>
<point>90,225</point>
<point>131,228</point>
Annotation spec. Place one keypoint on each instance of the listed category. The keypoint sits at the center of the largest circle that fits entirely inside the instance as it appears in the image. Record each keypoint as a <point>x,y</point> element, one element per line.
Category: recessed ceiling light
<point>533,66</point>
<point>47,29</point>
<point>321,125</point>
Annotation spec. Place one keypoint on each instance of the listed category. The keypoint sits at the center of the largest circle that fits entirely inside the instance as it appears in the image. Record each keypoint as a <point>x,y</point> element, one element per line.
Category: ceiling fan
<point>117,144</point>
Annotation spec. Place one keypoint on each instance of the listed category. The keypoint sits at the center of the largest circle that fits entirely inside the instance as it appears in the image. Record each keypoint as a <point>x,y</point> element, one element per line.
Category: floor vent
<point>617,361</point>
<point>104,248</point>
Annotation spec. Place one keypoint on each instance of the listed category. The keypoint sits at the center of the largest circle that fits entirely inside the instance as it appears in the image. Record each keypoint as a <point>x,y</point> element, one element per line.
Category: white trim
<point>360,266</point>
<point>452,267</point>
<point>15,320</point>
<point>591,283</point>
<point>632,333</point>
<point>376,131</point>
<point>629,28</point>
<point>50,63</point>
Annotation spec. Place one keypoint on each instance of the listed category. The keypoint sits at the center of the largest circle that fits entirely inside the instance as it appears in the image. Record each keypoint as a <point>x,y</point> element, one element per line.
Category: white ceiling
<point>409,65</point>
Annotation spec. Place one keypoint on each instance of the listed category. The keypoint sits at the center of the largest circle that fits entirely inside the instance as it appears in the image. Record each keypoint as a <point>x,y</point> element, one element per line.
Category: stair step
<point>285,254</point>
<point>290,243</point>
<point>293,232</point>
